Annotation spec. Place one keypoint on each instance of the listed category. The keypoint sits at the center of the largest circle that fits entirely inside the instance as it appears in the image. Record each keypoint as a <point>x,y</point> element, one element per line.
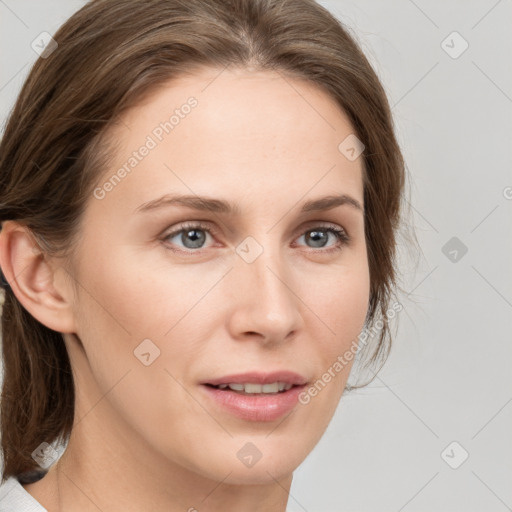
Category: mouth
<point>256,396</point>
<point>251,388</point>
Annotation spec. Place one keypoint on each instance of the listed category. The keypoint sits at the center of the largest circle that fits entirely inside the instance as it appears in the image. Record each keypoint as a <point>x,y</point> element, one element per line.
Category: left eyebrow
<point>222,206</point>
<point>329,202</point>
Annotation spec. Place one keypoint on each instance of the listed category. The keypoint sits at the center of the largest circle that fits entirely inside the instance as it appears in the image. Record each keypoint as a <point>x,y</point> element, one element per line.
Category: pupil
<point>197,237</point>
<point>318,236</point>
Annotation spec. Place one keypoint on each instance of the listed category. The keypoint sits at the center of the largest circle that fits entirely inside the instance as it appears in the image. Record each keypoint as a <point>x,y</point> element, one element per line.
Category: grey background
<point>448,378</point>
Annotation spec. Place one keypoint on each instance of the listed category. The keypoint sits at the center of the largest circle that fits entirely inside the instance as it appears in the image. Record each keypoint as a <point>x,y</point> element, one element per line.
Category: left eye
<point>194,236</point>
<point>320,235</point>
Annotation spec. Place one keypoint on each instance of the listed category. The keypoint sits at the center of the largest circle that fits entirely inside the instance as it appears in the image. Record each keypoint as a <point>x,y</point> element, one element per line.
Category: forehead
<point>235,128</point>
<point>253,105</point>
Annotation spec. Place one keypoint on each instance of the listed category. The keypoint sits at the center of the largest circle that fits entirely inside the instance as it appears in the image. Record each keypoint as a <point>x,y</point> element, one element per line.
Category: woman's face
<point>252,285</point>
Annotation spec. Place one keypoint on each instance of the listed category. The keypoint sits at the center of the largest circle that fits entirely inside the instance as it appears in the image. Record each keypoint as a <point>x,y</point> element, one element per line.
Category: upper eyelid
<point>206,225</point>
<point>213,231</point>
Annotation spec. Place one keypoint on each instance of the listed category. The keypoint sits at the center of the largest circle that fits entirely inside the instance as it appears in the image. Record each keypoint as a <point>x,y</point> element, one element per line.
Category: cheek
<point>139,298</point>
<point>340,300</point>
<point>342,306</point>
<point>124,315</point>
<point>342,309</point>
<point>348,309</point>
<point>135,313</point>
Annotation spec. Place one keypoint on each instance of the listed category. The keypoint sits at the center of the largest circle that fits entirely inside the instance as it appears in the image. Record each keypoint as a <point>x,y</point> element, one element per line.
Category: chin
<point>253,460</point>
<point>262,473</point>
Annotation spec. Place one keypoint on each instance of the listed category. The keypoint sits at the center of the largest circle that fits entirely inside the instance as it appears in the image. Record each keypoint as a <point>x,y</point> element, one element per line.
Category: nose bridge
<point>267,304</point>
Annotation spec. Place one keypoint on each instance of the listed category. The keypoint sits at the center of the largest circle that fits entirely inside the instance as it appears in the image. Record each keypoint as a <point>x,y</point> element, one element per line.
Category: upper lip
<point>285,376</point>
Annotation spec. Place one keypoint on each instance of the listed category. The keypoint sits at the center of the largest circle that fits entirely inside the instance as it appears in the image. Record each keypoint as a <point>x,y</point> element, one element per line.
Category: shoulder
<point>14,498</point>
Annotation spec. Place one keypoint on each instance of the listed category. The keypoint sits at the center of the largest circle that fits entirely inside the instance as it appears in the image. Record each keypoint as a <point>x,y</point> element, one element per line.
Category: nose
<point>265,305</point>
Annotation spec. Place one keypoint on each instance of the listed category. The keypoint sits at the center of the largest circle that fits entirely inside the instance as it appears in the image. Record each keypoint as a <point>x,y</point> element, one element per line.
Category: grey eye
<point>318,237</point>
<point>190,238</point>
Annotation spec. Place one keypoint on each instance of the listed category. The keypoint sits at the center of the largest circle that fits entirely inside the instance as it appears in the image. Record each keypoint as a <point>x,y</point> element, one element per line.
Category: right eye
<point>191,235</point>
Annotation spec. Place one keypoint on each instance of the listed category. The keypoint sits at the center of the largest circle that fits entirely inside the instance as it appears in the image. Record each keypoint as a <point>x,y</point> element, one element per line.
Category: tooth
<point>270,388</point>
<point>253,388</point>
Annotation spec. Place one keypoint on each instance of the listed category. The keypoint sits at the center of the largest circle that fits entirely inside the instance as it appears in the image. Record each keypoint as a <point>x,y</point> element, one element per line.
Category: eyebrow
<point>222,206</point>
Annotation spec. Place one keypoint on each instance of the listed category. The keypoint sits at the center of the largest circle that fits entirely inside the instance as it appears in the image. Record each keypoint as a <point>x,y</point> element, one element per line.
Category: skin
<point>147,437</point>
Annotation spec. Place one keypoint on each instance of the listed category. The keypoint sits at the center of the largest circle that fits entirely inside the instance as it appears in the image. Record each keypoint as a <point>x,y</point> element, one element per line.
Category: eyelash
<point>342,236</point>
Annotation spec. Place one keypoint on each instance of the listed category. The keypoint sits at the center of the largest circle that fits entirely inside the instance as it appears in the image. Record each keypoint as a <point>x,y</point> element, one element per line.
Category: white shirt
<point>14,498</point>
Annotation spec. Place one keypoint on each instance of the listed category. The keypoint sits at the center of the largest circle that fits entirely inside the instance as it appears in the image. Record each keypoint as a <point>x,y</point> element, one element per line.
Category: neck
<point>69,487</point>
<point>129,491</point>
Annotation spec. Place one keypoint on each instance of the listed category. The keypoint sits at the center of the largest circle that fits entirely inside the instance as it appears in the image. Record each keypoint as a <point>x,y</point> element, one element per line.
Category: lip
<point>260,378</point>
<point>257,407</point>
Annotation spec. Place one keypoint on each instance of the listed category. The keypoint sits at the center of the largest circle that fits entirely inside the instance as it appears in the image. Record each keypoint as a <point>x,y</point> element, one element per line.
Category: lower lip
<point>256,407</point>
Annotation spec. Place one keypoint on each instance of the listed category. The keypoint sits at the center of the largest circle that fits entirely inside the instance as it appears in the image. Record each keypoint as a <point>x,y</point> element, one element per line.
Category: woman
<point>199,203</point>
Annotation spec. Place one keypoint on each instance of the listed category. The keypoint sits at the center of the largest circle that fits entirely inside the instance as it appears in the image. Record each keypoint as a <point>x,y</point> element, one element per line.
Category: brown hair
<point>111,53</point>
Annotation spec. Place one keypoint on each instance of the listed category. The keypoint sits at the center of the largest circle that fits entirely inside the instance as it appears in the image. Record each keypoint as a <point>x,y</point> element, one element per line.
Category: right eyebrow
<point>195,202</point>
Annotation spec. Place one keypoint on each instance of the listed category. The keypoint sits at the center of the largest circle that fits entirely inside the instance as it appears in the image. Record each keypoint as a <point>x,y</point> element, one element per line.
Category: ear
<point>38,282</point>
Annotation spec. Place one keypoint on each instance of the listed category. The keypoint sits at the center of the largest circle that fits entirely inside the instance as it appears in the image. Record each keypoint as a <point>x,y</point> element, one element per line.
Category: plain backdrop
<point>433,431</point>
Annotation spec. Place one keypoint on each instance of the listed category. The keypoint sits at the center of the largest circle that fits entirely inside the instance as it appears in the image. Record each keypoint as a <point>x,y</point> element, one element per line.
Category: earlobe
<point>34,278</point>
